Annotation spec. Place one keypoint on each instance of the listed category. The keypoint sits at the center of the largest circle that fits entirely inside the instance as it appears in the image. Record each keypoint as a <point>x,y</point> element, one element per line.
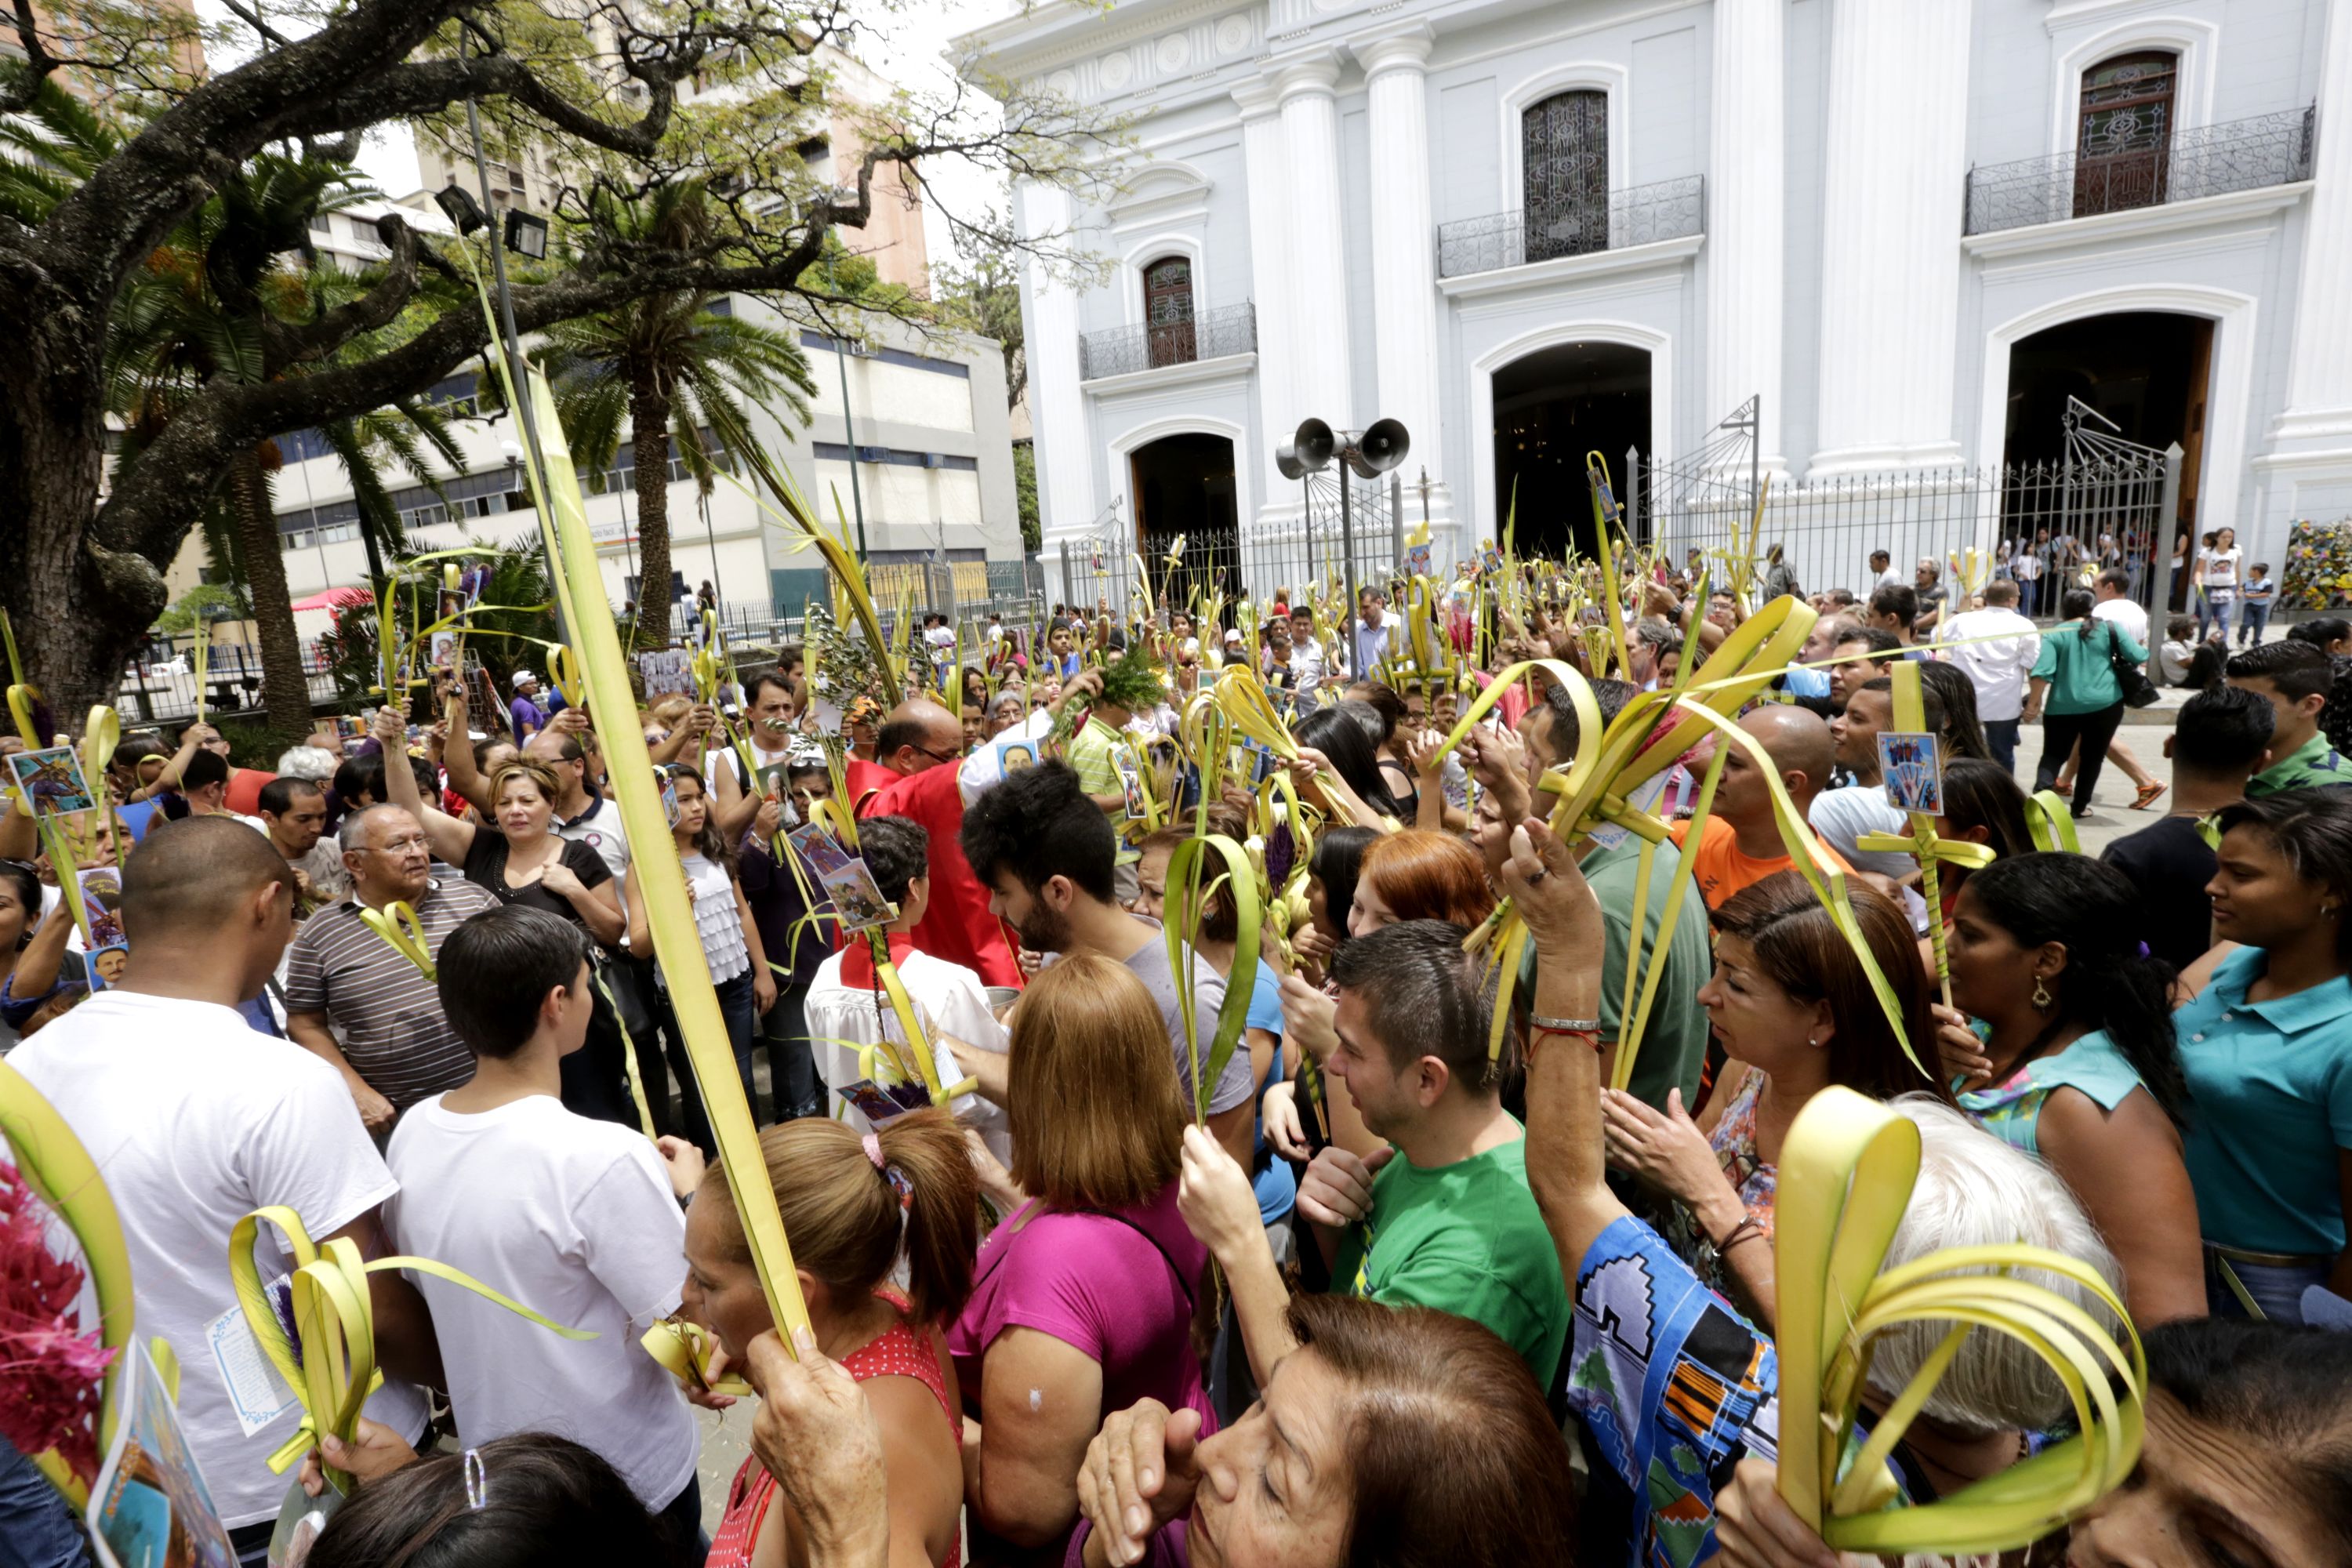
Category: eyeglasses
<point>941,756</point>
<point>402,846</point>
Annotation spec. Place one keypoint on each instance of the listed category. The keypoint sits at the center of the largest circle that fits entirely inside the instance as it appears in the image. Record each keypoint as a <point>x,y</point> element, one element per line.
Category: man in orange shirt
<point>1741,842</point>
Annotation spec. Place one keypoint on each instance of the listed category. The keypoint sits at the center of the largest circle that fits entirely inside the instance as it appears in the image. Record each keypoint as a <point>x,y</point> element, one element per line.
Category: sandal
<point>2147,793</point>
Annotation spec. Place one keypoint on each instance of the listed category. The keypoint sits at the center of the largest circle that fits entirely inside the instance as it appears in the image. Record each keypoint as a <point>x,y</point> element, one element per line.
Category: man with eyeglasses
<point>352,999</point>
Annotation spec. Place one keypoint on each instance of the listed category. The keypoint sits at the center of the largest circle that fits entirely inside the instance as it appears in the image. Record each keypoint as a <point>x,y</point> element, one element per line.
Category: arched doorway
<point>1551,407</point>
<point>1183,485</point>
<point>2146,370</point>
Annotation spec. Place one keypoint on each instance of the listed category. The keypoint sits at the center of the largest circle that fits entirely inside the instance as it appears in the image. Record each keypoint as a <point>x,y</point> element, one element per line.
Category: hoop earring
<point>2041,997</point>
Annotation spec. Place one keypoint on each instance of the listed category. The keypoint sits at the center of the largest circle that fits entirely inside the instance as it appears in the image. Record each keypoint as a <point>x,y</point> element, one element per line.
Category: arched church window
<point>2123,142</point>
<point>1564,175</point>
<point>1168,311</point>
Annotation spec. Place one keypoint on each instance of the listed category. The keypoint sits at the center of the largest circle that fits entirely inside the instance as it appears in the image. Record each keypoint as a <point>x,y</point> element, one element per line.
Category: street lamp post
<point>509,342</point>
<point>849,428</point>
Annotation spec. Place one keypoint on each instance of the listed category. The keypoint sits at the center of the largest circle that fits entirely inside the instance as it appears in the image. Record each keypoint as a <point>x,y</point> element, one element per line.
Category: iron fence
<point>1313,549</point>
<point>158,683</point>
<point>2144,170</point>
<point>1571,224</point>
<point>1212,334</point>
<point>2088,512</point>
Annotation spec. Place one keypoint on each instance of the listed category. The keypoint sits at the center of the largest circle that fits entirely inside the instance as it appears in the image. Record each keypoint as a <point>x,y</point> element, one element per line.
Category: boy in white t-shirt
<point>576,1218</point>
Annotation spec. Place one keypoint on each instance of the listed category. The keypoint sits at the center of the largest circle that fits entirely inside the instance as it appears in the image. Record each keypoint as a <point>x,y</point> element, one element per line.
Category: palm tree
<point>679,367</point>
<point>199,309</point>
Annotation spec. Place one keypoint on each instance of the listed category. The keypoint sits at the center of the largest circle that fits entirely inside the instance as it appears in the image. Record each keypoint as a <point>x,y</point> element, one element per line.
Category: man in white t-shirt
<point>2111,601</point>
<point>847,1007</point>
<point>1998,666</point>
<point>577,1218</point>
<point>196,1120</point>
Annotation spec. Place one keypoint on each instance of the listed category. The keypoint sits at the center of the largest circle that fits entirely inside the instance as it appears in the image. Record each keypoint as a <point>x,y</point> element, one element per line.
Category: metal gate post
<point>1630,503</point>
<point>2168,531</point>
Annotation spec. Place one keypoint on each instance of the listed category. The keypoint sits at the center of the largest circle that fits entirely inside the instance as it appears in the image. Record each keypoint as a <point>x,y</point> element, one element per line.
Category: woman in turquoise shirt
<point>2076,1064</point>
<point>2266,1044</point>
<point>2074,698</point>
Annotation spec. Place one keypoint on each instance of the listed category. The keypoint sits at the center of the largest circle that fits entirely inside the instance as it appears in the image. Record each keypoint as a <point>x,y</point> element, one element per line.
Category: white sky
<point>907,48</point>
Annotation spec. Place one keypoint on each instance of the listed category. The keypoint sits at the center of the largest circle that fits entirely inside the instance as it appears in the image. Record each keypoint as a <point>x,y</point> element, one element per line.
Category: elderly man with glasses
<point>353,999</point>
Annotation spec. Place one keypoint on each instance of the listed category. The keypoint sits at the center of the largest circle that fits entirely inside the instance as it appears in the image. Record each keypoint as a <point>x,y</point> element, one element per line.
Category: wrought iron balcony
<point>1572,224</point>
<point>2142,172</point>
<point>1212,334</point>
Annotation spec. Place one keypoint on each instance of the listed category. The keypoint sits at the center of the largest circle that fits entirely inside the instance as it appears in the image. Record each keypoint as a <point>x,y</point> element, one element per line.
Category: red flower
<point>50,1370</point>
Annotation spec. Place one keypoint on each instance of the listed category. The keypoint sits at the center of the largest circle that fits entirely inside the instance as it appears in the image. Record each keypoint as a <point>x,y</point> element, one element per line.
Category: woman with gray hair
<point>1673,1388</point>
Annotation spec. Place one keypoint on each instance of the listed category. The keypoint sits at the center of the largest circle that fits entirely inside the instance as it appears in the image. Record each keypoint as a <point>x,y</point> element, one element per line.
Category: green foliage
<point>502,640</point>
<point>252,743</point>
<point>1131,681</point>
<point>842,658</point>
<point>984,297</point>
<point>1024,494</point>
<point>199,606</point>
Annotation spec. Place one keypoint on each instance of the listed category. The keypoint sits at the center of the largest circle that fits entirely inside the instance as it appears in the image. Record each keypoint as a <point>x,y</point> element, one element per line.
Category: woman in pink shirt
<point>1083,1299</point>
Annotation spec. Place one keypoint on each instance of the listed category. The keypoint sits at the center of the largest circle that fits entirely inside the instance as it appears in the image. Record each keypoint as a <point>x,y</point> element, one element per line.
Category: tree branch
<point>289,344</point>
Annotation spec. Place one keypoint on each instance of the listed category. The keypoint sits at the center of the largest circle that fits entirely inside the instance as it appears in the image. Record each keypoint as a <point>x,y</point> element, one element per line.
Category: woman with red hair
<point>1418,875</point>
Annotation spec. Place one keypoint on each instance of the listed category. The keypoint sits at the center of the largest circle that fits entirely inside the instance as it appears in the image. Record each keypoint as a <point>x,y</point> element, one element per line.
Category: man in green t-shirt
<point>1444,1218</point>
<point>2299,681</point>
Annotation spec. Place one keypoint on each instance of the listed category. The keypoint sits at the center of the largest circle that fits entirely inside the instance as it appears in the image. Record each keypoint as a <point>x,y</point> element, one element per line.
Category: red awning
<point>330,598</point>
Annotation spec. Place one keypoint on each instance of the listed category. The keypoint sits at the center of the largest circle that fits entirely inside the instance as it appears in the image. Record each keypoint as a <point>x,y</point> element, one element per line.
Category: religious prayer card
<point>53,781</point>
<point>818,849</point>
<point>1914,767</point>
<point>855,897</point>
<point>151,1507</point>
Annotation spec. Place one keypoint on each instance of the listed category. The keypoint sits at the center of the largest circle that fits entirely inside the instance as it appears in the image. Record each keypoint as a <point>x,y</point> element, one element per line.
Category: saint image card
<point>101,900</point>
<point>1130,783</point>
<point>855,899</point>
<point>151,1507</point>
<point>880,1105</point>
<point>52,780</point>
<point>1914,767</point>
<point>818,849</point>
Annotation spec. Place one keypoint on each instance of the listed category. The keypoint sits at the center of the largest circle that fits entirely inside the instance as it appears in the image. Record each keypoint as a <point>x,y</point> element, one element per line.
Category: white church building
<point>1917,232</point>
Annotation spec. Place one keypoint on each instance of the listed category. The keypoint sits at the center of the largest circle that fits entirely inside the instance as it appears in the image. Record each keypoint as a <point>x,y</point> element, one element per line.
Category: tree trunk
<point>79,610</point>
<point>285,688</point>
<point>649,436</point>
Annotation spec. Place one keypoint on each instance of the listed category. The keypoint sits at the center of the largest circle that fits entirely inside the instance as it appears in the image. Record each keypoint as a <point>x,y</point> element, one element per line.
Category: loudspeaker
<point>1285,461</point>
<point>1380,448</point>
<point>1311,449</point>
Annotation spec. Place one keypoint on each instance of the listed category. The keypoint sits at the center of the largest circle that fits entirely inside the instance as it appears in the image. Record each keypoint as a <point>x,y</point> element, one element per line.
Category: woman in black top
<point>521,861</point>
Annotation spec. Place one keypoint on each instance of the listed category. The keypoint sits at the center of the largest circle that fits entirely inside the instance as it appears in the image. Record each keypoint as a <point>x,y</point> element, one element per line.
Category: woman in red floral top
<point>849,1205</point>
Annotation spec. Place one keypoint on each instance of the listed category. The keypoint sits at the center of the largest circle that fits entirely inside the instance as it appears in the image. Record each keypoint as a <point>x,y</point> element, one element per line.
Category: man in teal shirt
<point>2297,679</point>
<point>1444,1218</point>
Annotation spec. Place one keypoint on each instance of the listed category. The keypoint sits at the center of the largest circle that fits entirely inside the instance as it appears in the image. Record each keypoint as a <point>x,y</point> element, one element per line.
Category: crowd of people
<point>1399,1280</point>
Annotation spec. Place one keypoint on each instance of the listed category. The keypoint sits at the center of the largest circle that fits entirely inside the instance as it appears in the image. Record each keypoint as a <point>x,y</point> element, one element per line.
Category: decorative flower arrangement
<point>51,1369</point>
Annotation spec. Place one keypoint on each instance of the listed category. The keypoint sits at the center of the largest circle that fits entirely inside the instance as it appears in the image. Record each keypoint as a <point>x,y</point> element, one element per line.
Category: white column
<point>1405,253</point>
<point>1897,155</point>
<point>1268,170</point>
<point>1058,407</point>
<point>1321,381</point>
<point>1745,181</point>
<point>2319,378</point>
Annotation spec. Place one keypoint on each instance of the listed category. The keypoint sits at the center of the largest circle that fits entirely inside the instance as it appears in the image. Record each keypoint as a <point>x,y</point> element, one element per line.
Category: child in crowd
<point>585,1227</point>
<point>2254,601</point>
